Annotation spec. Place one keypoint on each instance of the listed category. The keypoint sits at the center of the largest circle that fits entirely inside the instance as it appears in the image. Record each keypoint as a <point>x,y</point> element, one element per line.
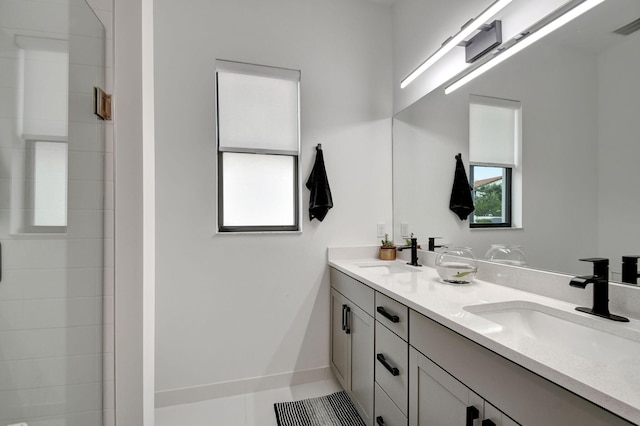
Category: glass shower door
<point>51,214</point>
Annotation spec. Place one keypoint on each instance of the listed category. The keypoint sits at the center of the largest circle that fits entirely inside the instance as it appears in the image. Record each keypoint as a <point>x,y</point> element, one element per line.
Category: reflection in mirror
<point>578,91</point>
<point>40,154</point>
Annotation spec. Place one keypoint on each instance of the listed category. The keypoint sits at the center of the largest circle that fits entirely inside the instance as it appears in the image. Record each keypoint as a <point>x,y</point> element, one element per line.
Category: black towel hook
<point>319,147</point>
<point>459,156</point>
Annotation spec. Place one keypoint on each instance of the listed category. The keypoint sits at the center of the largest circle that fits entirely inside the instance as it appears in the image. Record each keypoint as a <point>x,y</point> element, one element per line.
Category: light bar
<point>525,42</point>
<point>465,32</point>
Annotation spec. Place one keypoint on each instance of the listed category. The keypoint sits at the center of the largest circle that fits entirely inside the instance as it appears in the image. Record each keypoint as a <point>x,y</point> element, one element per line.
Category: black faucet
<point>414,252</point>
<point>600,281</point>
<point>630,269</point>
<point>432,243</point>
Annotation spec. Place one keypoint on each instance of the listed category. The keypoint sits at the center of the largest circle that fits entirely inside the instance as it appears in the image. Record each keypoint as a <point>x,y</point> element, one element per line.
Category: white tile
<point>81,108</point>
<point>85,253</point>
<point>257,410</point>
<point>85,136</point>
<point>42,17</point>
<point>85,194</point>
<point>8,107</point>
<point>86,50</point>
<point>34,254</point>
<point>84,224</point>
<point>8,72</point>
<point>7,132</point>
<point>222,411</point>
<point>83,78</point>
<point>86,165</point>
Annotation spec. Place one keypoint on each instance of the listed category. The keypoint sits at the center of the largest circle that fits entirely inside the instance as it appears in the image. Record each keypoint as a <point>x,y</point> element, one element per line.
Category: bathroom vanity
<point>412,350</point>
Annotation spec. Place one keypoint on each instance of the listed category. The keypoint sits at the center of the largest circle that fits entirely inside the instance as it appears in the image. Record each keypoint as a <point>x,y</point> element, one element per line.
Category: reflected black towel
<point>461,202</point>
<point>320,200</point>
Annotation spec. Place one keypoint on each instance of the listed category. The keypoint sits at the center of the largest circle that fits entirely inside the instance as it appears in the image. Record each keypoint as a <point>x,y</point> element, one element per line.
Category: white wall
<point>557,88</point>
<point>234,307</point>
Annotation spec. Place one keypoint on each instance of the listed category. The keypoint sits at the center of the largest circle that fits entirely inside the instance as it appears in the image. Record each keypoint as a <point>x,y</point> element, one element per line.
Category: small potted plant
<point>387,249</point>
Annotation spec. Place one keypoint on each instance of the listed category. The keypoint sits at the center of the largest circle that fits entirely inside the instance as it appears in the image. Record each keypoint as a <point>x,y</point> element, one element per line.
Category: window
<point>258,148</point>
<point>49,185</point>
<point>494,147</point>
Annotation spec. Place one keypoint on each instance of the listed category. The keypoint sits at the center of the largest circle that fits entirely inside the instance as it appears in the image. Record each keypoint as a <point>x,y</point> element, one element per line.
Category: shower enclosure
<point>56,351</point>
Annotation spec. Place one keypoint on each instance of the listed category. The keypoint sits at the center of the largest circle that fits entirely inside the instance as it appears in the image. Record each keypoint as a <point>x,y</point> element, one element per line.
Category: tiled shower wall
<point>56,292</point>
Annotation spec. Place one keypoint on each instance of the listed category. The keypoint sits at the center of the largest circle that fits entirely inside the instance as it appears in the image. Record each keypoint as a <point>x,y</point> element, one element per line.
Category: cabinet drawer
<point>387,413</point>
<point>392,372</point>
<point>354,290</point>
<point>394,315</point>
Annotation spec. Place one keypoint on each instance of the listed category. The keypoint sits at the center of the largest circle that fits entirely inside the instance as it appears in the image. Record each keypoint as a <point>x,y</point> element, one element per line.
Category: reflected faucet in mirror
<point>600,281</point>
<point>630,269</point>
<point>432,243</point>
<point>414,251</point>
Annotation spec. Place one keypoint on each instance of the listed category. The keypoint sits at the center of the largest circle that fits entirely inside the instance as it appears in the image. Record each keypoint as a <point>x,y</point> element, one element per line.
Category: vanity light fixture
<point>454,41</point>
<point>523,41</point>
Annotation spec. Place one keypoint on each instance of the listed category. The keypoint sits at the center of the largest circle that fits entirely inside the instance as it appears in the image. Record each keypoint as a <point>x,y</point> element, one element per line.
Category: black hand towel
<point>461,202</point>
<point>320,200</point>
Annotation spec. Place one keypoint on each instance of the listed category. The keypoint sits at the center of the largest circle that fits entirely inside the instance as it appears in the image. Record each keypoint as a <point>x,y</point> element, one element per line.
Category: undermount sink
<point>387,268</point>
<point>589,338</point>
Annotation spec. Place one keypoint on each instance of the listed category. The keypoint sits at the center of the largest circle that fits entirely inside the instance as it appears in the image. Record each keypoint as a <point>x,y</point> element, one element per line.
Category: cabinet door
<point>362,335</point>
<point>435,397</point>
<point>352,339</point>
<point>340,340</point>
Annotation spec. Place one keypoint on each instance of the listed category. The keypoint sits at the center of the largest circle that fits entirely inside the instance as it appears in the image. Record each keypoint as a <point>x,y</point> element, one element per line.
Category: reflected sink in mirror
<point>589,338</point>
<point>386,267</point>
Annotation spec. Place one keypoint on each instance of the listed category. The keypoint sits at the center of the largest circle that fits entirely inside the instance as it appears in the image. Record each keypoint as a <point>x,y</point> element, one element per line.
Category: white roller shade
<point>257,112</point>
<point>493,131</point>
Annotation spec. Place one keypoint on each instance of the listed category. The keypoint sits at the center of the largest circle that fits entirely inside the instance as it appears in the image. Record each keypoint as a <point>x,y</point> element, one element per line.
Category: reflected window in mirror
<point>491,196</point>
<point>494,144</point>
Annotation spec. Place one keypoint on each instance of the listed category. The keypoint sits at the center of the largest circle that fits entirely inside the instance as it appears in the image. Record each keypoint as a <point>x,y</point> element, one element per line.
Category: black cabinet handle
<point>344,317</point>
<point>347,320</point>
<point>472,414</point>
<point>380,421</point>
<point>393,370</point>
<point>387,315</point>
<point>487,422</point>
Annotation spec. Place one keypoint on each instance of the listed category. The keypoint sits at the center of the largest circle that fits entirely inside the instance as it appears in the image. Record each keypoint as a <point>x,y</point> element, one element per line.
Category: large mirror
<point>580,187</point>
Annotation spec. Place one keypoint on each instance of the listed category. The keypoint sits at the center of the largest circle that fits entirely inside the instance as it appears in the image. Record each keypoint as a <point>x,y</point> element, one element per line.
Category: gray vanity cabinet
<point>392,362</point>
<point>432,376</point>
<point>521,394</point>
<point>439,399</point>
<point>352,341</point>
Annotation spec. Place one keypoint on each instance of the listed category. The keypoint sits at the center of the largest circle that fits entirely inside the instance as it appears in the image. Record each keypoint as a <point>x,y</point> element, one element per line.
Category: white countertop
<point>612,385</point>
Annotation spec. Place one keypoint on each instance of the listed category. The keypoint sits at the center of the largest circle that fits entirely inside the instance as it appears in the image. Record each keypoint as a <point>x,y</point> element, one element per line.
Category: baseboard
<point>238,387</point>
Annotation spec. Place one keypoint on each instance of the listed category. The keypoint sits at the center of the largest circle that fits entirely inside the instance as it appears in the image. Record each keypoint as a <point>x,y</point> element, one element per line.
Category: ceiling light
<point>452,42</point>
<point>523,42</point>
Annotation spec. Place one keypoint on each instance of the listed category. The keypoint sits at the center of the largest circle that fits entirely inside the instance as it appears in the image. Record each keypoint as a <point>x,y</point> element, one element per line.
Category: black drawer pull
<point>472,414</point>
<point>487,422</point>
<point>393,370</point>
<point>380,421</point>
<point>347,320</point>
<point>344,317</point>
<point>387,315</point>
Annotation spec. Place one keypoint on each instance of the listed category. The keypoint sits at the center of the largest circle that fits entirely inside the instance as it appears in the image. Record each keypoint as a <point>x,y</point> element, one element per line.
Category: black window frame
<point>227,229</point>
<point>508,196</point>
